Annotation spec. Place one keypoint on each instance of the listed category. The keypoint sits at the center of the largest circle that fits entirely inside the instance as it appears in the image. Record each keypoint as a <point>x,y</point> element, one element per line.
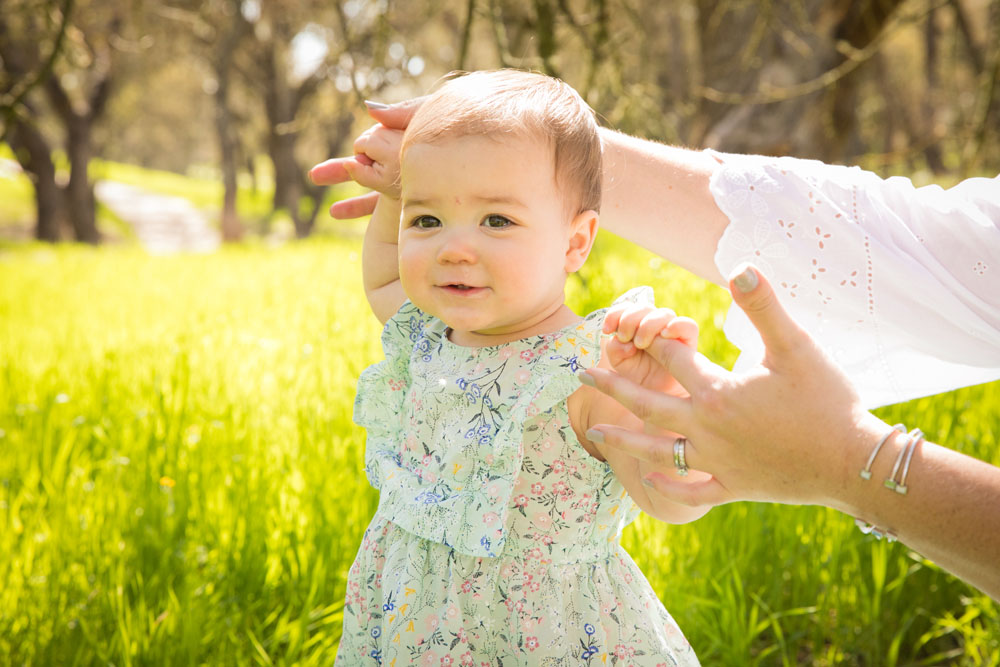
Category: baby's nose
<point>457,247</point>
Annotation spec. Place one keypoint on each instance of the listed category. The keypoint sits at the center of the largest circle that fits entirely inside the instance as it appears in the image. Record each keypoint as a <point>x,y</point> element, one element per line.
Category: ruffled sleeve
<point>382,388</point>
<point>899,284</point>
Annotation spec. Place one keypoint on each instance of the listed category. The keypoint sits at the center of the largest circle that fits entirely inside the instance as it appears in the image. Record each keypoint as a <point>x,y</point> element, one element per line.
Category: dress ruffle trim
<point>424,508</point>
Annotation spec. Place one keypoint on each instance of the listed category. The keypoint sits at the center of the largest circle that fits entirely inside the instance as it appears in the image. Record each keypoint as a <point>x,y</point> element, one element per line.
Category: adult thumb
<point>754,295</point>
<point>397,116</point>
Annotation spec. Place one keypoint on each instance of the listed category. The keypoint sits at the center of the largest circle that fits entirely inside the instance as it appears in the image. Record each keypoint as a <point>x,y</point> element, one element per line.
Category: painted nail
<point>377,106</point>
<point>595,436</point>
<point>746,281</point>
<point>586,378</point>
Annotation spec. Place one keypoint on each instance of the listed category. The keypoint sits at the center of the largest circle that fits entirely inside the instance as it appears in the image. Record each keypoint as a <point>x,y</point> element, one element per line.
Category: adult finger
<point>754,295</point>
<point>657,450</point>
<point>648,405</point>
<point>683,329</point>
<point>692,494</point>
<point>395,115</point>
<point>681,360</point>
<point>330,172</point>
<point>355,207</point>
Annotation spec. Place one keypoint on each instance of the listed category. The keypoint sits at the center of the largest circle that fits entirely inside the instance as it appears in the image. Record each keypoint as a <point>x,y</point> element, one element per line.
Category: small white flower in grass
<point>62,398</point>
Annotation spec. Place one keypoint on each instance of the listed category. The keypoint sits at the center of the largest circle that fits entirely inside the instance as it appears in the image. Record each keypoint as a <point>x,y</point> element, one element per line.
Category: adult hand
<point>790,430</point>
<point>390,117</point>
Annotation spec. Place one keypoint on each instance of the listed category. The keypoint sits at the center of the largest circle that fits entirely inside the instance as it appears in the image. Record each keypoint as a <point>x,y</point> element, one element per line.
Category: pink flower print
<point>506,352</point>
<point>490,517</point>
<point>509,602</point>
<point>537,488</point>
<point>547,540</point>
<point>466,586</point>
<point>426,461</point>
<point>543,520</point>
<point>527,355</point>
<point>430,476</point>
<point>532,410</point>
<point>522,376</point>
<point>490,459</point>
<point>535,553</point>
<point>467,660</point>
<point>759,249</point>
<point>558,466</point>
<point>429,659</point>
<point>395,385</point>
<point>531,643</point>
<point>620,652</point>
<point>451,612</point>
<point>462,635</point>
<point>787,226</point>
<point>547,444</point>
<point>521,500</point>
<point>534,586</point>
<point>432,623</point>
<point>821,237</point>
<point>446,660</point>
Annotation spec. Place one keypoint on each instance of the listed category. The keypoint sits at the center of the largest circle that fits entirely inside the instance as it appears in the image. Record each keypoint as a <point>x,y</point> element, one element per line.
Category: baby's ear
<point>583,231</point>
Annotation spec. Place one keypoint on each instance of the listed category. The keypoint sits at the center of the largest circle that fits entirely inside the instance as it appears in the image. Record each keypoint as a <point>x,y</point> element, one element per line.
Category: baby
<point>496,539</point>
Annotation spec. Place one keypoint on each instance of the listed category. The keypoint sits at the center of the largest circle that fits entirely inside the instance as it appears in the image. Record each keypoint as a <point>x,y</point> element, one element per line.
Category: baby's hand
<point>375,163</point>
<point>635,327</point>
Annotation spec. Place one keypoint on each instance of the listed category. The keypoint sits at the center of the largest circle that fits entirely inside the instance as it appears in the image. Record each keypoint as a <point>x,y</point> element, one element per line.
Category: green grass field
<point>181,482</point>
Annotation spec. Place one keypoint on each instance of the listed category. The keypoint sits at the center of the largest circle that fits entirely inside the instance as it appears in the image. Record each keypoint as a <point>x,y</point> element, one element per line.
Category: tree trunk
<point>232,228</point>
<point>79,191</point>
<point>34,155</point>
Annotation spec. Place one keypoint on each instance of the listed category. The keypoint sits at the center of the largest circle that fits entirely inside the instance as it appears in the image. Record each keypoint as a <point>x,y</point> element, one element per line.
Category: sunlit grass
<point>181,483</point>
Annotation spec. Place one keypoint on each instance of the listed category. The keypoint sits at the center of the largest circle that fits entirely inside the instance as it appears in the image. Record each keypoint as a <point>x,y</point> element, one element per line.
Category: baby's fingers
<point>652,324</point>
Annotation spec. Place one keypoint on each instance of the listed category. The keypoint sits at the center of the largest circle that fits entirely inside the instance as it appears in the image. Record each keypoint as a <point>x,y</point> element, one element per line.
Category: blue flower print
<point>428,498</point>
<point>462,383</point>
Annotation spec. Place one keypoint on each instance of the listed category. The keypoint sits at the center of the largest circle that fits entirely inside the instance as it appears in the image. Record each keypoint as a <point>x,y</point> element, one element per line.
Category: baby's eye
<point>495,221</point>
<point>425,222</point>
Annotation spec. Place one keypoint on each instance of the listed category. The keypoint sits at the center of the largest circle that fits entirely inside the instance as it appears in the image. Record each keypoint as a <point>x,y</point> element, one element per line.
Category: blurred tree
<point>26,65</point>
<point>76,93</point>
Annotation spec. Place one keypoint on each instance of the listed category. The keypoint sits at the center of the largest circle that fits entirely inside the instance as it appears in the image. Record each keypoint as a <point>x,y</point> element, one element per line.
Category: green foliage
<point>181,482</point>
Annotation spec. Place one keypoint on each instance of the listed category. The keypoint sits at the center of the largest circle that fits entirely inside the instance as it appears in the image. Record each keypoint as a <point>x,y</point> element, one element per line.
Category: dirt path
<point>163,224</point>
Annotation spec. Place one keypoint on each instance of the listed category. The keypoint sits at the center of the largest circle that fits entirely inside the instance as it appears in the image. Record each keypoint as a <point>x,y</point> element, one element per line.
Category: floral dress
<point>496,539</point>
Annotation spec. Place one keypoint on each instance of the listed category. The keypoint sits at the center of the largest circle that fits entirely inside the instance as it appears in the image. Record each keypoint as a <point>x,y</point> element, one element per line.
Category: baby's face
<point>483,236</point>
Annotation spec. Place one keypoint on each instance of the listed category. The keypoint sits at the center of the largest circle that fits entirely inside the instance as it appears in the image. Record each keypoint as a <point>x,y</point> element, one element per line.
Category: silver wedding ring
<point>679,461</point>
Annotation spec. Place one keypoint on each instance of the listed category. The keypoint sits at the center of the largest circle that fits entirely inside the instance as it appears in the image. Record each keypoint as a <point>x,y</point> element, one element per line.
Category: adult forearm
<point>657,196</point>
<point>949,514</point>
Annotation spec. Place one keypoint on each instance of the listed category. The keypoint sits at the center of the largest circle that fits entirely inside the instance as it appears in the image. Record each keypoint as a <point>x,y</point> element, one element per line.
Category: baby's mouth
<point>460,288</point>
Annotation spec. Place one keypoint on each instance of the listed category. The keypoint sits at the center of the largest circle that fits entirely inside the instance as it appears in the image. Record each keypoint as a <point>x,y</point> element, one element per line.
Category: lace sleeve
<point>901,285</point>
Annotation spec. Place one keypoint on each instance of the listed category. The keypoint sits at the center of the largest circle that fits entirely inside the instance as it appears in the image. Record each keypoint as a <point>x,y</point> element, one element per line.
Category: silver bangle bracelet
<point>866,472</point>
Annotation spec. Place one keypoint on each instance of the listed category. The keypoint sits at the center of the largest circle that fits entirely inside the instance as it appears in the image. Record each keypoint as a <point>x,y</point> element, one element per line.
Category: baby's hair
<point>512,103</point>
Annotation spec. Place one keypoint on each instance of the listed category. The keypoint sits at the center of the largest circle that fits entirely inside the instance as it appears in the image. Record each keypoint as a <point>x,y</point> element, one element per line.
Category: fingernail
<point>585,378</point>
<point>746,281</point>
<point>595,436</point>
<point>377,106</point>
